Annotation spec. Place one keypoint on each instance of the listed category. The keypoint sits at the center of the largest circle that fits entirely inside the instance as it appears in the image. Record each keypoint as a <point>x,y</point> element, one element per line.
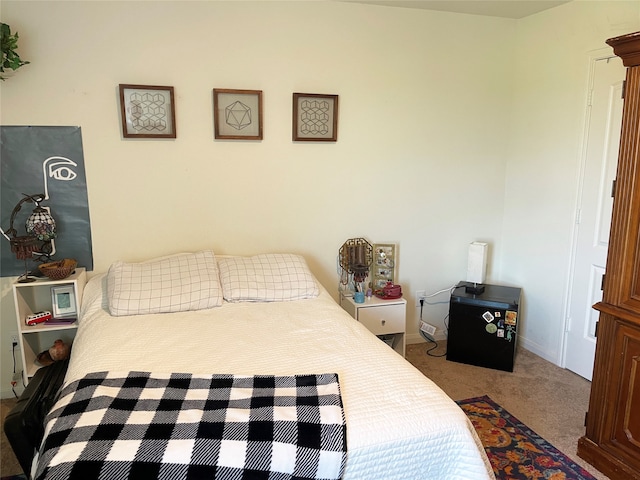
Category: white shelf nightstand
<point>35,297</point>
<point>384,318</point>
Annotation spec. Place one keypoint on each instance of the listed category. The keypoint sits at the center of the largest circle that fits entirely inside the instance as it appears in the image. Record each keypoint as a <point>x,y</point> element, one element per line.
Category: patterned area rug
<point>515,451</point>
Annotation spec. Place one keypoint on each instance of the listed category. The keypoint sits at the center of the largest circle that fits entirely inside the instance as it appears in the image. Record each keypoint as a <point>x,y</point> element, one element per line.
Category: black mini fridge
<point>483,328</point>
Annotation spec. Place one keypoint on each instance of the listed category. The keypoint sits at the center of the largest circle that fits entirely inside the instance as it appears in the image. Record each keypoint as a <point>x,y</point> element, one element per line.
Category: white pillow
<point>177,283</point>
<point>272,277</point>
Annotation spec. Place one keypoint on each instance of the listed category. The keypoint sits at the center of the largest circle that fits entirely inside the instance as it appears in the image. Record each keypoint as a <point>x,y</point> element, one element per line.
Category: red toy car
<point>38,317</point>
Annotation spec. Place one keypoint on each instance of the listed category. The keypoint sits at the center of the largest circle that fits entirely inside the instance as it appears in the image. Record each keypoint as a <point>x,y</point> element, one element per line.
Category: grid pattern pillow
<point>273,277</point>
<point>178,283</point>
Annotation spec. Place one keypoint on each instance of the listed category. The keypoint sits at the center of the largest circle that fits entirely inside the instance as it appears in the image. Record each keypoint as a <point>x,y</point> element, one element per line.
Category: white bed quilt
<point>400,425</point>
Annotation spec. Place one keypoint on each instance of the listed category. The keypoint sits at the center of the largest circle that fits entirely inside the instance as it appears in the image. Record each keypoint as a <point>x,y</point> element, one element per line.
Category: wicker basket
<point>58,270</point>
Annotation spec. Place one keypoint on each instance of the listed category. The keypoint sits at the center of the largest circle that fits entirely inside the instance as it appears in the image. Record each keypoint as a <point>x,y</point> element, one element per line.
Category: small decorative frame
<point>384,265</point>
<point>237,114</point>
<point>147,111</point>
<point>315,117</point>
<point>63,301</point>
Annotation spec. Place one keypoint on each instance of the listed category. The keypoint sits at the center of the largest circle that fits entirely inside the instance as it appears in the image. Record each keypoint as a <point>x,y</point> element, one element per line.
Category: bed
<point>198,316</point>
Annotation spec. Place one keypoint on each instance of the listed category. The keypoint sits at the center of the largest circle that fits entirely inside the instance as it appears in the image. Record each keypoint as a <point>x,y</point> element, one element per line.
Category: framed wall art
<point>315,117</point>
<point>237,114</point>
<point>384,265</point>
<point>148,111</point>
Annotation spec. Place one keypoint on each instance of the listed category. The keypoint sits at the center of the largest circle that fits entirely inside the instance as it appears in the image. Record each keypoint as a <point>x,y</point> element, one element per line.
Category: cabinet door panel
<point>622,284</point>
<point>624,430</point>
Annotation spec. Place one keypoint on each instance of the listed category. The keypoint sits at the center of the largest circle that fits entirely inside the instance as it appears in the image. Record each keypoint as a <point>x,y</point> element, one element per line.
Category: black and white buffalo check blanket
<point>182,426</point>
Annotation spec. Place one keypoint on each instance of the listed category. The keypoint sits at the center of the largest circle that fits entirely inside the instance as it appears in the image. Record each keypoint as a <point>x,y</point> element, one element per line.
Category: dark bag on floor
<point>24,425</point>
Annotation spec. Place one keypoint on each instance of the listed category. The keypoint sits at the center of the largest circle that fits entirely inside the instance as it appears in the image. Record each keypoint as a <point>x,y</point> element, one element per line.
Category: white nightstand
<point>34,297</point>
<point>384,318</point>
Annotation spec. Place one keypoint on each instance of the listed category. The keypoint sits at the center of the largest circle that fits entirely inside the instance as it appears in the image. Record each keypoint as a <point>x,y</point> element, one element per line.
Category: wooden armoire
<point>612,439</point>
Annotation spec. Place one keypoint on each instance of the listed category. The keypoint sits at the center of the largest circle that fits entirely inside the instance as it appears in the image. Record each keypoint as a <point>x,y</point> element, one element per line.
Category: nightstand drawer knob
<point>383,322</point>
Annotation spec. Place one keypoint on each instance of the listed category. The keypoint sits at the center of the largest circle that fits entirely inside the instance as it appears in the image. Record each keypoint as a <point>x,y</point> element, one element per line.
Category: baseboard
<point>417,338</point>
<point>535,348</point>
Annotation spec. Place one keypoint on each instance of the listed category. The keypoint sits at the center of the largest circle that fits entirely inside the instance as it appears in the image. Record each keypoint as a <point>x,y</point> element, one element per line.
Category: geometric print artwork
<point>237,115</point>
<point>314,117</point>
<point>148,112</point>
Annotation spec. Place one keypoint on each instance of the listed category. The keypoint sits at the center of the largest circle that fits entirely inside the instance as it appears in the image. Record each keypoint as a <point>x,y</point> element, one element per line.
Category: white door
<point>593,216</point>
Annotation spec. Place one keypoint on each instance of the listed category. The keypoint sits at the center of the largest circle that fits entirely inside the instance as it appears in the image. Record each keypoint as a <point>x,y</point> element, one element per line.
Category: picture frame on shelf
<point>315,117</point>
<point>237,114</point>
<point>63,302</point>
<point>384,265</point>
<point>147,111</point>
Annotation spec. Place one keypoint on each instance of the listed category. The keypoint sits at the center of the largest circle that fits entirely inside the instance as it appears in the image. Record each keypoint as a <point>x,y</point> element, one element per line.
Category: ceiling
<point>493,8</point>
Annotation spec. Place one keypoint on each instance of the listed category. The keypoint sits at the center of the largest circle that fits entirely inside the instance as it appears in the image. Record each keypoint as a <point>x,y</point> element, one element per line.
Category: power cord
<point>423,299</point>
<point>425,335</point>
<point>428,337</point>
<point>13,380</point>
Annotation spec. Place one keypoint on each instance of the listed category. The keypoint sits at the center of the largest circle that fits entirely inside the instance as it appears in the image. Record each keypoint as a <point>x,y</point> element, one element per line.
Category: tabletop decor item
<point>355,257</point>
<point>384,265</point>
<point>58,270</point>
<point>40,230</point>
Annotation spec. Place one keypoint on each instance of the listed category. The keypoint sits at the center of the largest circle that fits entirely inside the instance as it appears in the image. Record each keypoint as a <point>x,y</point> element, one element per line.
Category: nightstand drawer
<point>384,319</point>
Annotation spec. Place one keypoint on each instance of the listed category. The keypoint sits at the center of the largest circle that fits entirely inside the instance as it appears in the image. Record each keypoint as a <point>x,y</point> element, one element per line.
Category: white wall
<point>426,117</point>
<point>550,98</point>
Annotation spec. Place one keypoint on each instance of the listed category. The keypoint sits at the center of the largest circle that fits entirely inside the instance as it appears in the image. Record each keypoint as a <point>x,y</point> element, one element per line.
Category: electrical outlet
<point>14,339</point>
<point>17,376</point>
<point>420,294</point>
<point>428,328</point>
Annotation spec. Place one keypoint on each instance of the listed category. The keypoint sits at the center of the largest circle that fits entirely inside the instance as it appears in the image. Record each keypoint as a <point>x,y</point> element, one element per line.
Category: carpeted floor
<point>550,400</point>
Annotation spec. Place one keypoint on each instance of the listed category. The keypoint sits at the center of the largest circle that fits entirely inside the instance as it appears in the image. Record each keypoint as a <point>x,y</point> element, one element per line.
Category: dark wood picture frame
<point>237,114</point>
<point>315,117</point>
<point>147,111</point>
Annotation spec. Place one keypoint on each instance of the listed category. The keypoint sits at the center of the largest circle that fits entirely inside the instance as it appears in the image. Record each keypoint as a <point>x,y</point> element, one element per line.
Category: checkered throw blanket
<point>182,426</point>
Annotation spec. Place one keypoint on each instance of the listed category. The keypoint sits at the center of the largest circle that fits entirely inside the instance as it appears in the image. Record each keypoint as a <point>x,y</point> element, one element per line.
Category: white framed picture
<point>63,301</point>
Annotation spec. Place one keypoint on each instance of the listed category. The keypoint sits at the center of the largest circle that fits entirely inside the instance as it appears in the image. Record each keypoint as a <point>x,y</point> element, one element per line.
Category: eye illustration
<point>58,168</point>
<point>62,173</point>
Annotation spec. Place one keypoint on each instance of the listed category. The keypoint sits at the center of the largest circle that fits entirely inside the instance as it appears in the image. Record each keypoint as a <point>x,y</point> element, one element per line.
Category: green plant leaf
<point>8,46</point>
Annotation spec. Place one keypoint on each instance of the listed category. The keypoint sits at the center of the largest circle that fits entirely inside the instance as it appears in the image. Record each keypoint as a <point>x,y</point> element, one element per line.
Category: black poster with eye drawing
<point>48,161</point>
